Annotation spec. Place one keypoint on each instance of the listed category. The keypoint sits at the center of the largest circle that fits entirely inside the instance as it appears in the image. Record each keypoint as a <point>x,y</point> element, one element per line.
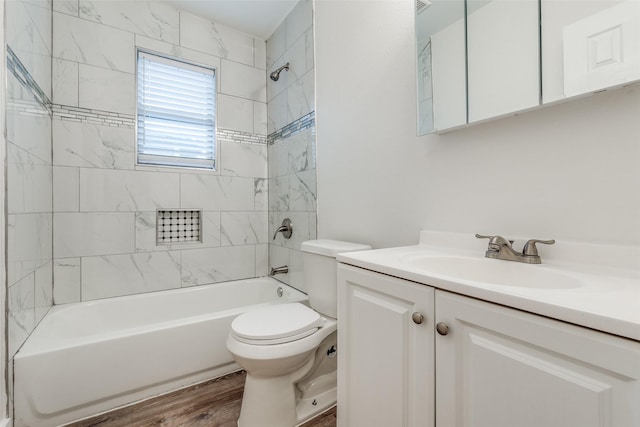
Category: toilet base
<point>306,409</point>
<point>268,402</point>
<point>289,400</point>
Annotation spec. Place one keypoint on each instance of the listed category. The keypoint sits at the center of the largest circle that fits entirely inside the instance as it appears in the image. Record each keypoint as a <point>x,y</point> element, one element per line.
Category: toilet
<point>289,350</point>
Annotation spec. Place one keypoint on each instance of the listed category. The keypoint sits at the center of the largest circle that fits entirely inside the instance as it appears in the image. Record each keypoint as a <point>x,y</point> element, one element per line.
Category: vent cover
<point>422,5</point>
<point>178,226</point>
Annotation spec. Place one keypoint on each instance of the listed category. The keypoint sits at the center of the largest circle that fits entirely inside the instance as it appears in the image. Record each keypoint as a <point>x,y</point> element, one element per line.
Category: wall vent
<point>178,226</point>
<point>422,5</point>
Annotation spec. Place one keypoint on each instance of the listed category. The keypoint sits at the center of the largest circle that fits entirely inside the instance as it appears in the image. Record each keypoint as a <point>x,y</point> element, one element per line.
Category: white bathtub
<point>90,357</point>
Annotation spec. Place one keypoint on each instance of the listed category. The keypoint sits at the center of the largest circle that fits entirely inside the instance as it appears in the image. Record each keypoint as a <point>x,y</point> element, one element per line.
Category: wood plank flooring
<point>215,403</point>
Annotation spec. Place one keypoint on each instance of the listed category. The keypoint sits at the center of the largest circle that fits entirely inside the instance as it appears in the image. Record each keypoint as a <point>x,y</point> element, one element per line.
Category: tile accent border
<point>241,137</point>
<point>20,72</point>
<point>305,122</point>
<point>98,117</point>
<point>108,118</point>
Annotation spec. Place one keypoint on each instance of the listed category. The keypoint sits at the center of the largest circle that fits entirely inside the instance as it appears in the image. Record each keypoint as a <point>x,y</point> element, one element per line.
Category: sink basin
<point>493,272</point>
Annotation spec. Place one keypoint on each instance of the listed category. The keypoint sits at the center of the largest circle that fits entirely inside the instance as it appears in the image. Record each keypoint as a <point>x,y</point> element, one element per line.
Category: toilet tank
<point>320,272</point>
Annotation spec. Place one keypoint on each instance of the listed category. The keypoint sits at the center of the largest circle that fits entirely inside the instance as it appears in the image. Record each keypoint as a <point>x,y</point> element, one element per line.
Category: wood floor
<point>215,403</point>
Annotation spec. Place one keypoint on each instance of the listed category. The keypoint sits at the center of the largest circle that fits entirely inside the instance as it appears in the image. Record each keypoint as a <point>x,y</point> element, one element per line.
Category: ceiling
<point>257,17</point>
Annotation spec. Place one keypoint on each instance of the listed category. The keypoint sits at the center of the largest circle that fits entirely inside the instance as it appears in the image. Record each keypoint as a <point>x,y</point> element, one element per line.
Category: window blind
<point>176,113</point>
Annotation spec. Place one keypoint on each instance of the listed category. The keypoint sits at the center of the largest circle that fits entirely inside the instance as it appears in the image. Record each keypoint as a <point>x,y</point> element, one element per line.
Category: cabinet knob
<point>442,328</point>
<point>418,318</point>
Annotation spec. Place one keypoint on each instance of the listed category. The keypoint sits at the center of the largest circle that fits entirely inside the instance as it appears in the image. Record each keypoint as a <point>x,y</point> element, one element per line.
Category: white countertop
<point>607,299</point>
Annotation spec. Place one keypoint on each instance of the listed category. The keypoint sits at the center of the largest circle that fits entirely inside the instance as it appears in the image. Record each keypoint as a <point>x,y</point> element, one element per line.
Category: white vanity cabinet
<point>500,367</point>
<point>494,366</point>
<point>385,351</point>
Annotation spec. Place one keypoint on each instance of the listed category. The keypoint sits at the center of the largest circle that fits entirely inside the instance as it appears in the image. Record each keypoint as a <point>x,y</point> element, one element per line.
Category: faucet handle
<point>530,248</point>
<point>495,240</point>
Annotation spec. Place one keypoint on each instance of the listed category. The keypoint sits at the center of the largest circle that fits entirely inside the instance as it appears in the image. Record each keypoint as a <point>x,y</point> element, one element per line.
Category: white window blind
<point>176,113</point>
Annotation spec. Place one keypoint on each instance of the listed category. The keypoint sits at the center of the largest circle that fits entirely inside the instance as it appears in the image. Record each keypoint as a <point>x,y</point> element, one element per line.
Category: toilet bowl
<point>288,350</point>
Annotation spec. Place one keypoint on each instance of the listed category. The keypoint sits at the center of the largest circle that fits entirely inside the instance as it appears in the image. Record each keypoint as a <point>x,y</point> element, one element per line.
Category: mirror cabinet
<point>483,59</point>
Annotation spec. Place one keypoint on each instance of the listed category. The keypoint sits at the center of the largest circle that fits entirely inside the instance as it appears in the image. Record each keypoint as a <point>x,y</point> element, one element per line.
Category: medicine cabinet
<point>482,59</point>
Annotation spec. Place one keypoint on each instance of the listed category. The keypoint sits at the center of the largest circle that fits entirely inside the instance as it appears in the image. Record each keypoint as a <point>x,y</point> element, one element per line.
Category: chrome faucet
<point>500,248</point>
<point>286,229</point>
<point>279,270</point>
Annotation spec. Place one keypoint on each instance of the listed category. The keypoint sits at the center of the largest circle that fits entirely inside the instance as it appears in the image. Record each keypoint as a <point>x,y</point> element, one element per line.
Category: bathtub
<point>90,357</point>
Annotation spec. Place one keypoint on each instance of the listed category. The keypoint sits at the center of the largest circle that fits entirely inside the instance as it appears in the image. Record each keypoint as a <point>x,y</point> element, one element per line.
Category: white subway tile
<point>215,39</point>
<point>238,159</point>
<point>109,90</point>
<point>66,280</point>
<point>243,228</point>
<point>279,193</point>
<point>302,191</point>
<point>235,113</point>
<point>259,118</point>
<point>66,189</point>
<point>261,191</point>
<point>86,234</point>
<point>301,97</point>
<point>43,290</point>
<point>92,145</point>
<point>297,57</point>
<point>91,43</point>
<point>278,113</point>
<point>276,45</point>
<point>127,274</point>
<point>29,130</point>
<point>299,21</point>
<point>179,52</point>
<point>242,81</point>
<point>259,54</point>
<point>65,82</point>
<point>216,193</point>
<point>296,270</point>
<point>114,190</point>
<point>70,7</point>
<point>21,313</point>
<point>31,44</point>
<point>29,244</point>
<point>150,18</point>
<point>202,266</point>
<point>262,260</point>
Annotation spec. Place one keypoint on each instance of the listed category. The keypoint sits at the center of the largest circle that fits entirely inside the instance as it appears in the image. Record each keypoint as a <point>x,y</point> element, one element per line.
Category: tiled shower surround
<point>292,161</point>
<point>82,214</point>
<point>29,170</point>
<point>104,221</point>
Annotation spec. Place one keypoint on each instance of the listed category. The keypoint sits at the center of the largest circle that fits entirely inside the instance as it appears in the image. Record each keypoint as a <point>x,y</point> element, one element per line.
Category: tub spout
<point>279,270</point>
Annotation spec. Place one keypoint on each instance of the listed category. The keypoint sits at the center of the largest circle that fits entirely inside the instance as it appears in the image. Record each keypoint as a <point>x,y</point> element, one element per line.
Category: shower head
<point>276,74</point>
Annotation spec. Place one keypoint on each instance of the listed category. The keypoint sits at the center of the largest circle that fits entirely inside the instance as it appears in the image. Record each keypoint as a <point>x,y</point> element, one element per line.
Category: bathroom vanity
<point>436,334</point>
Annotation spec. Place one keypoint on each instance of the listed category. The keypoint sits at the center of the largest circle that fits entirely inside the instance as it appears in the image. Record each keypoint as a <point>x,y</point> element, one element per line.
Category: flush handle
<point>417,318</point>
<point>442,328</point>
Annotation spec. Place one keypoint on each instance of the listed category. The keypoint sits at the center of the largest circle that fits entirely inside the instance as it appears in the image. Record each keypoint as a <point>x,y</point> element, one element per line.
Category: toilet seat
<point>276,324</point>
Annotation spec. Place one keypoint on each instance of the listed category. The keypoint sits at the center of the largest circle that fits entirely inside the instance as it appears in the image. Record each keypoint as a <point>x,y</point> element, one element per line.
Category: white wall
<point>569,172</point>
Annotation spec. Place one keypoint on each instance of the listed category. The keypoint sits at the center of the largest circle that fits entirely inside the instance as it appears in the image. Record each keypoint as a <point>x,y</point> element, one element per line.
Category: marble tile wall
<point>291,125</point>
<point>105,205</point>
<point>29,167</point>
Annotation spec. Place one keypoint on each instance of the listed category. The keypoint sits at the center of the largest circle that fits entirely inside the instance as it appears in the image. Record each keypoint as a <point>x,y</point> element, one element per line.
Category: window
<point>176,113</point>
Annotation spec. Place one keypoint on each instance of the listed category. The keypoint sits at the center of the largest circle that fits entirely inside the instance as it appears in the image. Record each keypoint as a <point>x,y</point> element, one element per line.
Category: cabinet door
<point>500,367</point>
<point>385,359</point>
<point>502,57</point>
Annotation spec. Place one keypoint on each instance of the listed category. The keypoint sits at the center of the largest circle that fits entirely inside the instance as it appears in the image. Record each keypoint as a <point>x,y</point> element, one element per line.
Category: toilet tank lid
<point>331,248</point>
